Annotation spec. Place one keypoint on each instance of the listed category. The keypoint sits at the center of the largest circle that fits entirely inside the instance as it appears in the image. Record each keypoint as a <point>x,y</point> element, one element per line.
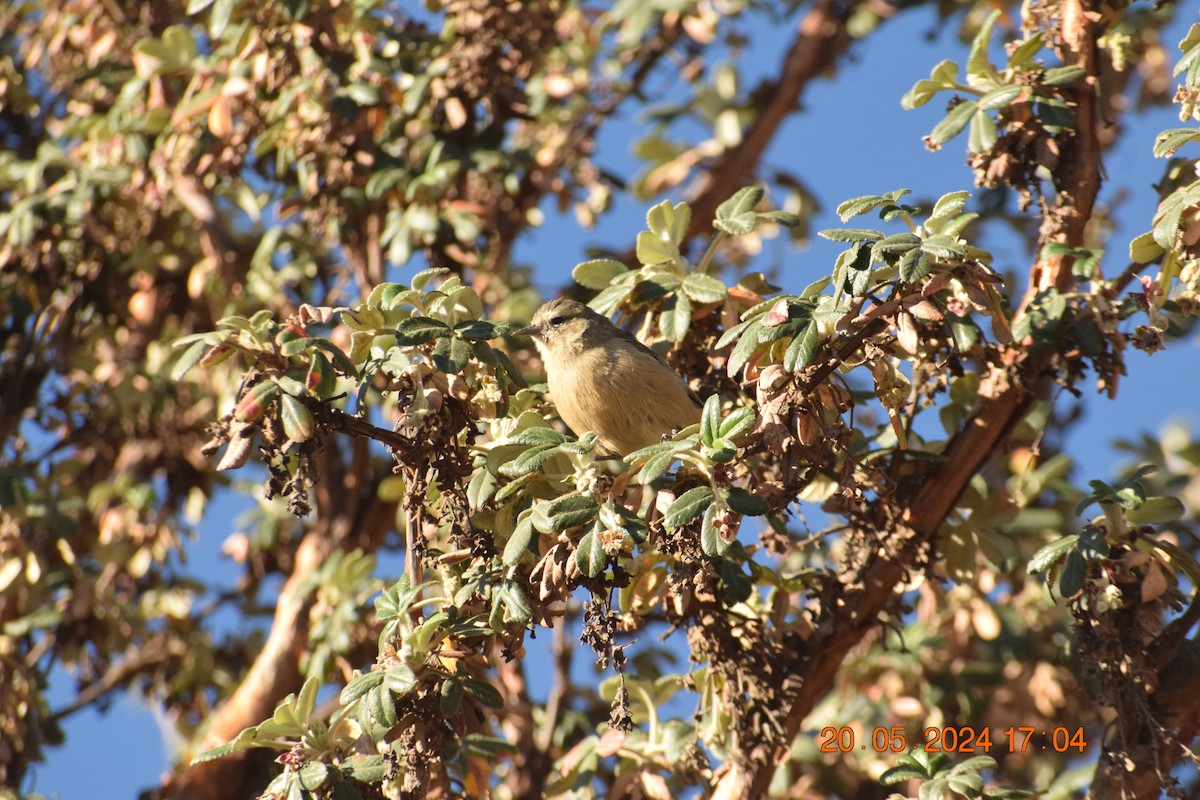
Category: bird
<point>602,379</point>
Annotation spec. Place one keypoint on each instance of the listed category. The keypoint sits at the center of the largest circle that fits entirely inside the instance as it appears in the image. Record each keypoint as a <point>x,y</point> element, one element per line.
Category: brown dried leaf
<point>906,333</point>
<point>1155,584</point>
<point>220,117</point>
<point>923,309</point>
<point>237,454</point>
<point>456,112</point>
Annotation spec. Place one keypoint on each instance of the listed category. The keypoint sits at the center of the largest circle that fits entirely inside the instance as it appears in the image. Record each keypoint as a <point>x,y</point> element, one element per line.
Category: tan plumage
<point>603,379</point>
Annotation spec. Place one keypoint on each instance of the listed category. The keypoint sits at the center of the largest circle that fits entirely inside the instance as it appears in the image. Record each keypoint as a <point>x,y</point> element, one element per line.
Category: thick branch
<point>983,435</point>
<point>1078,176</point>
<point>274,673</point>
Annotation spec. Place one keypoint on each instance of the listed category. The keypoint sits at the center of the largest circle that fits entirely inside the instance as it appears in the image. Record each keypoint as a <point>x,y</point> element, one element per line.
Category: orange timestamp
<point>937,739</point>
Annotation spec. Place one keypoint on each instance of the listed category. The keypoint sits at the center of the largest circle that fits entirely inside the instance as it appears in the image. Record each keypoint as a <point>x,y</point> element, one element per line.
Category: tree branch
<point>274,673</point>
<point>966,454</point>
<point>1078,176</point>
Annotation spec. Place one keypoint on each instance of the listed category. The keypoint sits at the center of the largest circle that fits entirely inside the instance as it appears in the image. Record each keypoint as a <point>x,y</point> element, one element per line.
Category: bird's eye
<point>556,321</point>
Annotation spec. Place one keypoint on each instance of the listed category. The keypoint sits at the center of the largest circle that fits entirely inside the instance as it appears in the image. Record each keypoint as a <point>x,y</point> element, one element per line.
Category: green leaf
<point>529,461</point>
<point>688,506</point>
<point>736,586</point>
<point>721,451</point>
<point>399,679</point>
<point>669,222</point>
<point>656,466</point>
<point>254,403</point>
<point>478,329</point>
<point>1073,576</point>
<point>450,699</point>
<point>320,378</point>
<point>745,347</point>
<point>676,318</point>
<point>735,216</point>
<point>590,556</point>
<point>750,505</point>
<point>190,358</point>
<point>219,20</point>
<point>704,288</point>
<point>516,604</point>
<point>451,355</point>
<point>609,300</point>
<point>1156,511</point>
<point>571,511</point>
<point>968,785</point>
<point>859,205</point>
<point>517,545</point>
<point>739,421</point>
<point>1022,55</point>
<point>1063,76</point>
<point>536,436</point>
<point>803,349</point>
<point>422,278</point>
<point>1167,142</point>
<point>712,543</point>
<point>484,692</point>
<point>913,266</point>
<point>340,359</point>
<point>1092,545</point>
<point>419,330</point>
<point>953,123</point>
<point>897,243</point>
<point>943,247</point>
<point>487,747</point>
<point>1055,115</point>
<point>710,420</point>
<point>943,76</point>
<point>652,250</point>
<point>222,750</point>
<point>980,72</point>
<point>900,774</point>
<point>785,218</point>
<point>598,273</point>
<point>964,332</point>
<point>298,423</point>
<point>850,235</point>
<point>983,134</point>
<point>1048,556</point>
<point>921,93</point>
<point>999,98</point>
<point>949,204</point>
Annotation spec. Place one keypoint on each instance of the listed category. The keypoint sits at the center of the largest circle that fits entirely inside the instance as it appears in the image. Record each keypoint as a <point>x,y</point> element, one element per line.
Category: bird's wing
<point>626,336</point>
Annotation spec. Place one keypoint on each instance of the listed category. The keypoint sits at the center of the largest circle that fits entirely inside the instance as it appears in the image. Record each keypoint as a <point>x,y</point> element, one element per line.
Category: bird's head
<point>564,326</point>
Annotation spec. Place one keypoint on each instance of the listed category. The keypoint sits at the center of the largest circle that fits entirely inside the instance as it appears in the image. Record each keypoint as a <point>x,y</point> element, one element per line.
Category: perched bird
<point>603,379</point>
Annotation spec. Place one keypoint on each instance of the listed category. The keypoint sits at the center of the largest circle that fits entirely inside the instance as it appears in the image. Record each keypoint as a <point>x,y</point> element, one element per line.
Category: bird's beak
<point>527,331</point>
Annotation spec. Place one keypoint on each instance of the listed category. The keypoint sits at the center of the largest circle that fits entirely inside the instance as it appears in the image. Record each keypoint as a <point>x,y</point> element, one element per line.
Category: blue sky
<point>856,140</point>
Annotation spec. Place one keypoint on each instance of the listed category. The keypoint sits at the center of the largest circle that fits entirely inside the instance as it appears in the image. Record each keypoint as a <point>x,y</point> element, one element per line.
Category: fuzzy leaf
<point>1049,555</point>
<point>803,349</point>
<point>298,423</point>
<point>704,288</point>
<point>712,543</point>
<point>571,511</point>
<point>418,330</point>
<point>688,506</point>
<point>952,124</point>
<point>598,273</point>
<point>743,502</point>
<point>590,555</point>
<point>518,544</point>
